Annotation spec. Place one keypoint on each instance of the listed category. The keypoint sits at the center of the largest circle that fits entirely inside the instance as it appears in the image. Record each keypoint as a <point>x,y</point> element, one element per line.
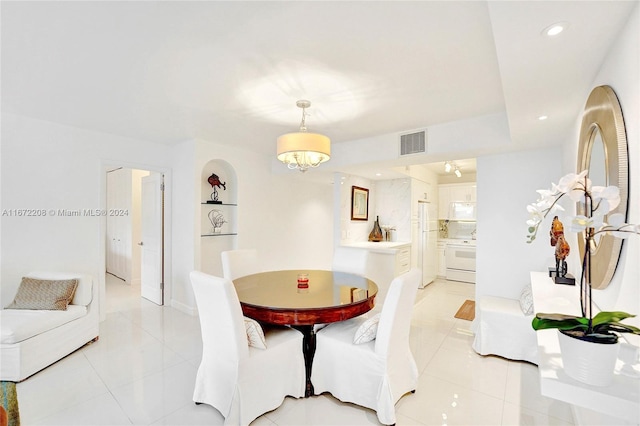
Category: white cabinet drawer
<point>403,261</point>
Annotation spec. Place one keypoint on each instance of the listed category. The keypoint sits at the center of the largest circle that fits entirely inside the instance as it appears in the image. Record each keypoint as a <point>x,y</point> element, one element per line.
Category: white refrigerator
<point>427,241</point>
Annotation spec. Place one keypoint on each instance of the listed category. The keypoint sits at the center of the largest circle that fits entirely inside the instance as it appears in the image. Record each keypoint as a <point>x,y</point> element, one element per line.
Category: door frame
<point>106,165</point>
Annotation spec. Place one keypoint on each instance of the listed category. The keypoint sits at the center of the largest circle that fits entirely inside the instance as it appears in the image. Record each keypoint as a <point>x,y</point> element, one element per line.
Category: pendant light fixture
<point>301,150</point>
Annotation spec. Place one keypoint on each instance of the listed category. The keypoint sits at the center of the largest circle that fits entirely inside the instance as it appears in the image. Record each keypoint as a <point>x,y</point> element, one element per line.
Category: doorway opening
<point>134,249</point>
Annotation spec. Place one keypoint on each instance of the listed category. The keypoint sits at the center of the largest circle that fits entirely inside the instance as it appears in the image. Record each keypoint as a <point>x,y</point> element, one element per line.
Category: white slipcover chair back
<point>378,373</point>
<point>239,263</point>
<point>351,260</point>
<point>240,381</point>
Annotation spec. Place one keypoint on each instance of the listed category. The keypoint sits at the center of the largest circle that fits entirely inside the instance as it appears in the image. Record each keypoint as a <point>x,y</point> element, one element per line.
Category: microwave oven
<point>462,211</point>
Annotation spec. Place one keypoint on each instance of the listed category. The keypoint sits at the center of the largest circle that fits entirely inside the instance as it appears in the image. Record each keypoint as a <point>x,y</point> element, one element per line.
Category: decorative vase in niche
<point>588,362</point>
<point>376,232</point>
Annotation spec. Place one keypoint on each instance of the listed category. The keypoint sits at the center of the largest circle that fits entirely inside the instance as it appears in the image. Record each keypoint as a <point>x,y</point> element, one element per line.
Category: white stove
<point>461,260</point>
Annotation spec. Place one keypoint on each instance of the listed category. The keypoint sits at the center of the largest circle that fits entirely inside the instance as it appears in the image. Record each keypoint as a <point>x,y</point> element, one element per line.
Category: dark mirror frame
<point>602,113</point>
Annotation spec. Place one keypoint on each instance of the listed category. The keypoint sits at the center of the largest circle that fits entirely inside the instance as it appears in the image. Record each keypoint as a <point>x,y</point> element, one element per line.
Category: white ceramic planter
<point>590,363</point>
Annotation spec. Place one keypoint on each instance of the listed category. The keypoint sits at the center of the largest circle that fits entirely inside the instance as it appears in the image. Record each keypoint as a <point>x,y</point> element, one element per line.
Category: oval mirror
<point>597,167</point>
<point>602,150</point>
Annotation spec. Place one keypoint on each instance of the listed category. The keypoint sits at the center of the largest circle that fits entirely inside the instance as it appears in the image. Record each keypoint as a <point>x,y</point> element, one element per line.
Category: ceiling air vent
<point>413,143</point>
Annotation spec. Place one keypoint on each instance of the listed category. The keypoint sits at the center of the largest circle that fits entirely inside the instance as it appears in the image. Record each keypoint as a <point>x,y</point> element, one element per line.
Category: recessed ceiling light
<point>378,174</point>
<point>555,29</point>
<point>542,117</point>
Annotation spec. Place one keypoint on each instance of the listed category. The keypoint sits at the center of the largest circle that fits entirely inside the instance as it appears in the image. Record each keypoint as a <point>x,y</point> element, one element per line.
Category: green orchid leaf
<point>560,321</point>
<point>610,317</point>
<point>560,317</point>
<point>605,323</point>
<point>601,338</point>
<point>616,327</point>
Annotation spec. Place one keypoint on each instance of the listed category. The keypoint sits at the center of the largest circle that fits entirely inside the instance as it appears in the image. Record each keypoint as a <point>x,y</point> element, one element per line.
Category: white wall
<point>353,230</point>
<point>48,166</point>
<point>447,141</point>
<point>287,217</point>
<point>506,184</point>
<point>51,166</point>
<point>183,225</point>
<point>621,71</point>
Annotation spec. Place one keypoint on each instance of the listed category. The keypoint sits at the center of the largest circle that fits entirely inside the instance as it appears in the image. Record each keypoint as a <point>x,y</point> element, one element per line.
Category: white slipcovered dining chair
<point>242,382</point>
<point>239,263</point>
<point>352,260</point>
<point>377,373</point>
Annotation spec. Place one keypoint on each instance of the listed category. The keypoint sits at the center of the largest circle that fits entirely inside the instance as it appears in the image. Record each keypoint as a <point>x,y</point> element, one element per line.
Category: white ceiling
<point>231,72</point>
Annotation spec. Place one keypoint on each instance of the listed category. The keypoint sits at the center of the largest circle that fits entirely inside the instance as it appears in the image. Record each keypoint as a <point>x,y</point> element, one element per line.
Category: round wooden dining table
<point>275,297</point>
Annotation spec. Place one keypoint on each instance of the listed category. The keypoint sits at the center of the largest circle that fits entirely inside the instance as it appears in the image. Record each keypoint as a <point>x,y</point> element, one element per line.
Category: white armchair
<point>239,263</point>
<point>377,373</point>
<point>240,381</point>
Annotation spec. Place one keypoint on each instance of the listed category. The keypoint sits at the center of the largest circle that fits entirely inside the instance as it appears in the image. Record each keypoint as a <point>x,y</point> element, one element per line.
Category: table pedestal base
<point>309,350</point>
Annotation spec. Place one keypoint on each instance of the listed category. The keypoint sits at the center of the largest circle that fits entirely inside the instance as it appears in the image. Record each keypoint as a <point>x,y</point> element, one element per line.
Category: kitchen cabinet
<point>420,191</point>
<point>462,193</point>
<point>454,193</point>
<point>442,259</point>
<point>386,261</point>
<point>403,260</point>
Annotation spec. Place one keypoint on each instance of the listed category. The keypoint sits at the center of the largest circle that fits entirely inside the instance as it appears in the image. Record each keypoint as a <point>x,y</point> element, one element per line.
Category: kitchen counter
<point>457,241</point>
<point>386,260</point>
<point>388,247</point>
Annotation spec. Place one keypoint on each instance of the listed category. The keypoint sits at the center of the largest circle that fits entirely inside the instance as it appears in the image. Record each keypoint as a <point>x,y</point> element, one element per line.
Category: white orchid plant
<point>597,202</point>
<point>600,200</point>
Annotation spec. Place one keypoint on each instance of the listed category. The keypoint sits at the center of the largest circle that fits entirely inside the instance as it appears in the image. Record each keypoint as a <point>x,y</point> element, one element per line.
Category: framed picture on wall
<point>359,203</point>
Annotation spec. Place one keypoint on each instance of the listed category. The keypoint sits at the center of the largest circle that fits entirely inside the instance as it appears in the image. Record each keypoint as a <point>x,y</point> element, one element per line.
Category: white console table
<point>616,404</point>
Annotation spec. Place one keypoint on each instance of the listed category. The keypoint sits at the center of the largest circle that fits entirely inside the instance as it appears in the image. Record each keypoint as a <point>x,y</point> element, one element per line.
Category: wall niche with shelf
<point>218,200</point>
<point>213,243</point>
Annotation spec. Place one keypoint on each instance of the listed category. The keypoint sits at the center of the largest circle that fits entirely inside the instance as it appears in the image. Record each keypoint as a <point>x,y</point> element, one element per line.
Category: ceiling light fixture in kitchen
<point>457,171</point>
<point>447,166</point>
<point>301,150</point>
<point>555,29</point>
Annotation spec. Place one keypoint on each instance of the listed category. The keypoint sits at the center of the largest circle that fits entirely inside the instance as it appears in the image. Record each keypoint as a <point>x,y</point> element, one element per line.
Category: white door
<point>118,226</point>
<point>151,274</point>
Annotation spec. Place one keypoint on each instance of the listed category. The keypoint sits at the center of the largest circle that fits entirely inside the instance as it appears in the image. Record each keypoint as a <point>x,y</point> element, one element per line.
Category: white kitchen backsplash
<point>393,206</point>
<point>462,230</point>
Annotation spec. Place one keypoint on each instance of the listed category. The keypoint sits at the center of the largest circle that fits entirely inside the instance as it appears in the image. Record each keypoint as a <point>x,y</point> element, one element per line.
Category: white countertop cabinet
<point>442,259</point>
<point>387,260</point>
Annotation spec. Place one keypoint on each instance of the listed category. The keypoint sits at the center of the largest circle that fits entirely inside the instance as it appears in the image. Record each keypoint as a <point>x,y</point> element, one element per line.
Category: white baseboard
<point>189,310</point>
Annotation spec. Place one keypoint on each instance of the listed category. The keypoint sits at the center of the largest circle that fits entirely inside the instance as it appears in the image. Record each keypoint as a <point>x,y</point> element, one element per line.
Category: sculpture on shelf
<point>214,181</point>
<point>562,251</point>
<point>217,220</point>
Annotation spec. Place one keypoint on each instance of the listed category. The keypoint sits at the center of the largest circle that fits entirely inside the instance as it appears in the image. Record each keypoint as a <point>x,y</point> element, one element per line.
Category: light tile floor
<point>142,370</point>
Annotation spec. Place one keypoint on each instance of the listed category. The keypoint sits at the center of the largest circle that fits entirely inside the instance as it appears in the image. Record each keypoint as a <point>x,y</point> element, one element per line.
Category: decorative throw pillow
<point>52,295</point>
<point>367,330</point>
<point>255,335</point>
<point>526,300</point>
